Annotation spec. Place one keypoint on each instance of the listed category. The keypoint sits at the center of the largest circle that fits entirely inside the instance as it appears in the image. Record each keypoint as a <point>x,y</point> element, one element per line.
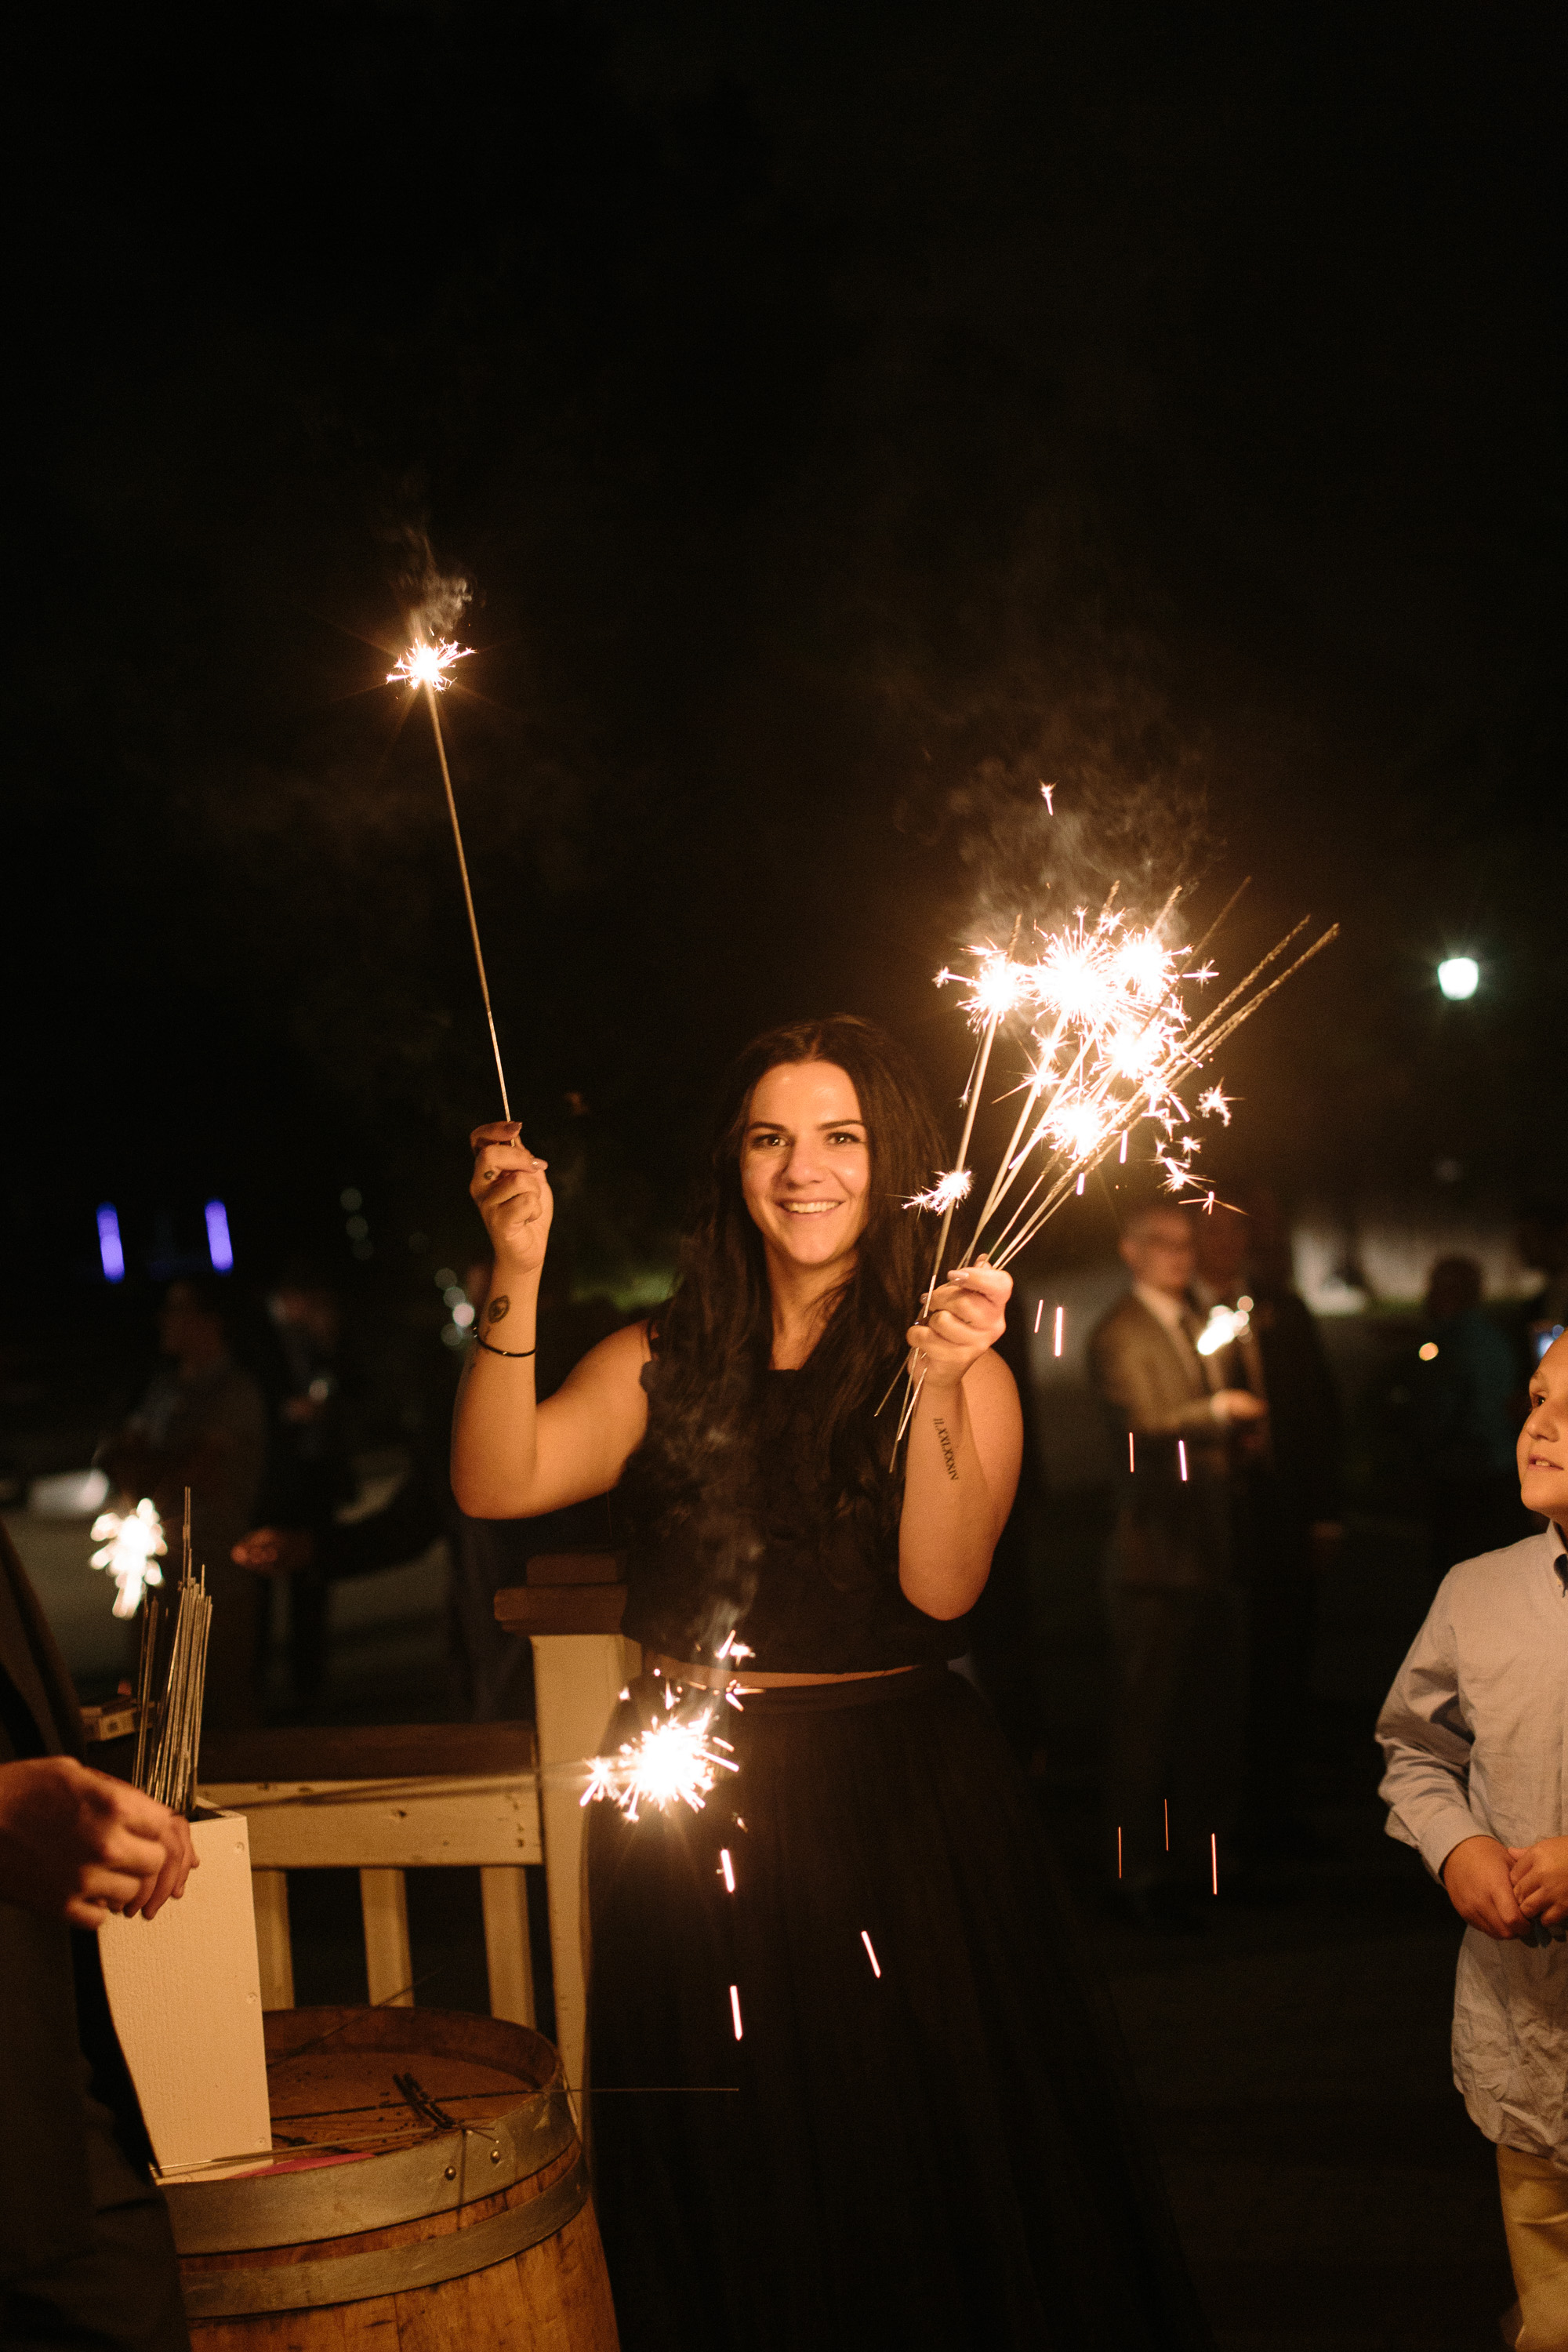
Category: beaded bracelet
<point>516,1355</point>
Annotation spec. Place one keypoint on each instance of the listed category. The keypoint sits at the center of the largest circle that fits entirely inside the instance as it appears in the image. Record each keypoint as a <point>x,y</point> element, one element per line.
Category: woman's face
<point>805,1163</point>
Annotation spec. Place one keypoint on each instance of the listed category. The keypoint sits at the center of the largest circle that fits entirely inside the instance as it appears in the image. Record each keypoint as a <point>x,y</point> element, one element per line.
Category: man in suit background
<point>1287,1501</point>
<point>1177,1616</point>
<point>87,2259</point>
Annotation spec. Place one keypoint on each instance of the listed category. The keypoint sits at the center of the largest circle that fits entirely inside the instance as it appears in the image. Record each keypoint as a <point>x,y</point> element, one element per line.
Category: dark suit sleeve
<point>56,2038</point>
<point>1120,1361</point>
<point>406,1525</point>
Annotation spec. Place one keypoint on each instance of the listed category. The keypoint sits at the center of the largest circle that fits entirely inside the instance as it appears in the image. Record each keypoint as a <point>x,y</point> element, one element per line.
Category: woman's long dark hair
<point>713,1342</point>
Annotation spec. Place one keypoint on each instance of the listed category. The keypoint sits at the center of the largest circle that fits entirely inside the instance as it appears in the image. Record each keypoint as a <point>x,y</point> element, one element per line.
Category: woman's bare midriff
<point>685,1670</point>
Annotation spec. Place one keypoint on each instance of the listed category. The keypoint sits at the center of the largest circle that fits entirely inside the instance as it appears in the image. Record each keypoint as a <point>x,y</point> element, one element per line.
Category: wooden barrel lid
<point>379,2116</point>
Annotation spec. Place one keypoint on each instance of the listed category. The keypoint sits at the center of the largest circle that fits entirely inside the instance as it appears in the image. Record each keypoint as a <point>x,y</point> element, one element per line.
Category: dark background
<point>845,418</point>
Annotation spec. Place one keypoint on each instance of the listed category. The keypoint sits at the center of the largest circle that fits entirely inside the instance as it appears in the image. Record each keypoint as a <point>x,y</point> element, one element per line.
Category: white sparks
<point>1059,1330</point>
<point>1045,792</point>
<point>1224,1326</point>
<point>1216,1104</point>
<point>735,2010</point>
<point>870,1955</point>
<point>945,1193</point>
<point>726,1868</point>
<point>1039,1310</point>
<point>1182,1457</point>
<point>673,1761</point>
<point>428,664</point>
<point>1131,1455</point>
<point>131,1549</point>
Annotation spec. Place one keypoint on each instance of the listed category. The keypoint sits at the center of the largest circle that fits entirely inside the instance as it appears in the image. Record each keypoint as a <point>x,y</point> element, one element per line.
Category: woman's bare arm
<point>965,1444</point>
<point>513,1458</point>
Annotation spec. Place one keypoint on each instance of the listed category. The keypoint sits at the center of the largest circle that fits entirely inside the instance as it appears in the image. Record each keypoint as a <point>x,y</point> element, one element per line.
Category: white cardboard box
<point>185,1994</point>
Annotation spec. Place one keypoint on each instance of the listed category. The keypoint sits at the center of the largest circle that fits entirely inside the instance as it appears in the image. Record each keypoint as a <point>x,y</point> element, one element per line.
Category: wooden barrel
<point>447,2209</point>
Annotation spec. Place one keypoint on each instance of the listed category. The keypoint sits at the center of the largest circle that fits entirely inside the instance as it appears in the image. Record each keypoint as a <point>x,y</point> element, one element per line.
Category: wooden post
<point>504,1892</point>
<point>274,1950</point>
<point>577,1679</point>
<point>388,1960</point>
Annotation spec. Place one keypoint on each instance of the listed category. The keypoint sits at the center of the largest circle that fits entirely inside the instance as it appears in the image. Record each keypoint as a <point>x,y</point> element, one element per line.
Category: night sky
<point>846,417</point>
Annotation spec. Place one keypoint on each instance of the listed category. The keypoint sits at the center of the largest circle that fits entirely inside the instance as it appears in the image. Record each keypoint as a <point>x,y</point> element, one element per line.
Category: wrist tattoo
<point>497,1309</point>
<point>945,1441</point>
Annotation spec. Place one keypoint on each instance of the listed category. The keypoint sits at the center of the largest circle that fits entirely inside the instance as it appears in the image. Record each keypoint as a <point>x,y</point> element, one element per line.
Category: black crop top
<point>809,1593</point>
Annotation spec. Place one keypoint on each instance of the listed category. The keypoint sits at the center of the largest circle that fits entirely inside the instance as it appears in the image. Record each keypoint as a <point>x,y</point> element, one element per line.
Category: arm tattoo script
<point>945,1443</point>
<point>497,1308</point>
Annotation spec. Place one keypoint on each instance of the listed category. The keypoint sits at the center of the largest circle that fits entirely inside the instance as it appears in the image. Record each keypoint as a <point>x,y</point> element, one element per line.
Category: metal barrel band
<point>390,2270</point>
<point>233,2216</point>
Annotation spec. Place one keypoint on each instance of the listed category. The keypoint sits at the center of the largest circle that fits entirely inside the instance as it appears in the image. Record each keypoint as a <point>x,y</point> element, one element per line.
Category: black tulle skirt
<point>920,2132</point>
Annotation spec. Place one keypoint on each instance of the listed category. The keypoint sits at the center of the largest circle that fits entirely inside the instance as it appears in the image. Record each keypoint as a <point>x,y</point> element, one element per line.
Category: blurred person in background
<point>492,1670</point>
<point>1543,1244</point>
<point>1286,1494</point>
<point>87,2255</point>
<point>1177,1613</point>
<point>1463,1420</point>
<point>310,1475</point>
<point>202,1424</point>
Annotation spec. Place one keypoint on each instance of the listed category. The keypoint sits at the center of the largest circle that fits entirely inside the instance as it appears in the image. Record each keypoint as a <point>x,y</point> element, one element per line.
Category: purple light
<point>220,1249</point>
<point>108,1249</point>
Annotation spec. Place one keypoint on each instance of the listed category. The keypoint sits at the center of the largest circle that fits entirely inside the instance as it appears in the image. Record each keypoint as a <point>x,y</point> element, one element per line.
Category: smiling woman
<point>851,2082</point>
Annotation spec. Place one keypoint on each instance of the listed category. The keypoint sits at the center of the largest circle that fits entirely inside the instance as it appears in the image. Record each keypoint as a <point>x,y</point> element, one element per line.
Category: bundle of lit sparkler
<point>1111,1042</point>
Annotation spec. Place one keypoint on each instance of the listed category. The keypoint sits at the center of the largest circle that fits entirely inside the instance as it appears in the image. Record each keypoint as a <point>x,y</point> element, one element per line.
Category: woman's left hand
<point>966,1316</point>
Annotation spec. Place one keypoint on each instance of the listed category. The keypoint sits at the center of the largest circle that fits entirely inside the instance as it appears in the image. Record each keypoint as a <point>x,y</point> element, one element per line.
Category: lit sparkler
<point>426,668</point>
<point>131,1547</point>
<point>677,1761</point>
<point>1226,1325</point>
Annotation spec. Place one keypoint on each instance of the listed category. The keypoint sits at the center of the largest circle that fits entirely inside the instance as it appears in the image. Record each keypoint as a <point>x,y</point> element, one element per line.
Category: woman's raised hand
<point>966,1316</point>
<point>513,1198</point>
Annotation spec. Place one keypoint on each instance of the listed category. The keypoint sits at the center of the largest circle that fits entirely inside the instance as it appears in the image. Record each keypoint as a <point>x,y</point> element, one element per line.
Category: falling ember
<point>735,2010</point>
<point>1122,1155</point>
<point>870,1955</point>
<point>131,1548</point>
<point>672,1761</point>
<point>726,1868</point>
<point>1078,1187</point>
<point>1167,1825</point>
<point>1039,1310</point>
<point>1119,1853</point>
<point>1214,1860</point>
<point>1132,1458</point>
<point>428,665</point>
<point>1057,1333</point>
<point>1182,1457</point>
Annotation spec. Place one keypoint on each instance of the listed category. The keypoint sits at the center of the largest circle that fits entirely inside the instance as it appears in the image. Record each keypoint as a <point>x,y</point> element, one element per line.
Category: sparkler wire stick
<point>468,894</point>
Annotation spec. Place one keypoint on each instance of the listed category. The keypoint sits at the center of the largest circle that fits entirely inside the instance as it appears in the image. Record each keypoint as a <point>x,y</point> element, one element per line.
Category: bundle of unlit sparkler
<point>169,1726</point>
